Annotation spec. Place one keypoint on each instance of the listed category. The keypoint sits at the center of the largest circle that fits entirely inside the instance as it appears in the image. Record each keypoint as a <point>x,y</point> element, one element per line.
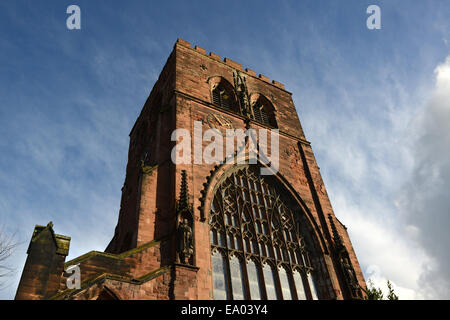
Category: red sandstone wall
<point>181,96</point>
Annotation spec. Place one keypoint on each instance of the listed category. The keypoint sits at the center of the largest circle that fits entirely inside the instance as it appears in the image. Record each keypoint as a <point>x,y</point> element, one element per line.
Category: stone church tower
<point>207,230</point>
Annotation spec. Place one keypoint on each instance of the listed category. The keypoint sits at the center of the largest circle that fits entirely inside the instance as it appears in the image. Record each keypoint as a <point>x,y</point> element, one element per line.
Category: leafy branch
<point>374,293</point>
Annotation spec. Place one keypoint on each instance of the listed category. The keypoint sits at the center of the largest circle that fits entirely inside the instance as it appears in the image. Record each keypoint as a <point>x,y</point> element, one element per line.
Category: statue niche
<point>184,226</point>
<point>185,242</point>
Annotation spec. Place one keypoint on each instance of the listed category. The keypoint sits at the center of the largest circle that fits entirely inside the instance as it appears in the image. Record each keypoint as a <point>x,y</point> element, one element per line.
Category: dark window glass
<point>219,277</point>
<point>263,234</point>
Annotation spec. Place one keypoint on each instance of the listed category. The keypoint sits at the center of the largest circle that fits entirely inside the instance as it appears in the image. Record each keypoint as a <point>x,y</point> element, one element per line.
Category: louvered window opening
<point>257,251</point>
<point>221,98</point>
<point>260,113</point>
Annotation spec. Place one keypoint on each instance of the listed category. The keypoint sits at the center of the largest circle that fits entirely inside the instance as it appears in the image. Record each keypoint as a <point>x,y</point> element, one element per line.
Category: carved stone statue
<point>185,241</point>
<point>242,92</point>
<point>349,272</point>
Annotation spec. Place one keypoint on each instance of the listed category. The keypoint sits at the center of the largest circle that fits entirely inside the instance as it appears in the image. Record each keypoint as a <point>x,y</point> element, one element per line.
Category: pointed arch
<point>225,170</point>
<point>263,110</point>
<point>270,226</point>
<point>223,94</point>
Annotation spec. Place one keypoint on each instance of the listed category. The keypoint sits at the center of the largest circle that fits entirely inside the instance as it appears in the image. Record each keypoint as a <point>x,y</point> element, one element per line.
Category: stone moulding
<point>62,242</point>
<point>101,277</point>
<point>119,256</point>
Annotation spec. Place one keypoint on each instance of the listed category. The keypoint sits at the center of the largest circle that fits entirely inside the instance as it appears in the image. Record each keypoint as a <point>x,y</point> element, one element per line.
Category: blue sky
<point>373,103</point>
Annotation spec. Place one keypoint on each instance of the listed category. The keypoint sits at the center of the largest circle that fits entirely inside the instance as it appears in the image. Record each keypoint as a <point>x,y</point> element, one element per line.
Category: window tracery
<point>238,99</point>
<point>255,235</point>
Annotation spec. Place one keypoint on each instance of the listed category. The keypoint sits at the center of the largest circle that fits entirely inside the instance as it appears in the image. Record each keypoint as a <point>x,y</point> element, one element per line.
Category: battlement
<point>229,62</point>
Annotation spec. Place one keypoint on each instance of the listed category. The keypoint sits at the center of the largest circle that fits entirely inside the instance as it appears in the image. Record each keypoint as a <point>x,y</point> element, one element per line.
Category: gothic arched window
<point>223,97</point>
<point>257,250</point>
<point>263,110</point>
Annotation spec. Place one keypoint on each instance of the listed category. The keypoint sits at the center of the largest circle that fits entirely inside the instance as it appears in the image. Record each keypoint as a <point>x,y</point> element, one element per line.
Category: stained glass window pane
<point>237,243</point>
<point>237,280</point>
<point>285,287</point>
<point>269,252</point>
<point>228,219</point>
<point>221,240</point>
<point>270,282</point>
<point>312,286</point>
<point>219,277</point>
<point>292,256</point>
<point>254,282</point>
<point>300,258</point>
<point>254,247</point>
<point>299,286</point>
<point>246,244</point>
<point>235,222</point>
<point>255,214</point>
<point>265,228</point>
<point>261,214</point>
<point>230,240</point>
<point>213,237</point>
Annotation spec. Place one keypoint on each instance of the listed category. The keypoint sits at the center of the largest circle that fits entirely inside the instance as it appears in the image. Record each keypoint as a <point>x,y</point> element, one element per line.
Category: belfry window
<point>257,249</point>
<point>222,97</point>
<point>260,113</point>
<point>263,111</point>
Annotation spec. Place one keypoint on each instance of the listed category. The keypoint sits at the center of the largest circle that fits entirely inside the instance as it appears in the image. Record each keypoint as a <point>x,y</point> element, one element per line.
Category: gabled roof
<point>61,242</point>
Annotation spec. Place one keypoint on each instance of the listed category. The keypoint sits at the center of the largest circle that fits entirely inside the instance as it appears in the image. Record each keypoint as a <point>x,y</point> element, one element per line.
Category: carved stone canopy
<point>184,225</point>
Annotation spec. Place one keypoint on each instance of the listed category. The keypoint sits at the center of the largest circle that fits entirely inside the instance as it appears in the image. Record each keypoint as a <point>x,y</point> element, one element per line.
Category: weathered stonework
<point>142,261</point>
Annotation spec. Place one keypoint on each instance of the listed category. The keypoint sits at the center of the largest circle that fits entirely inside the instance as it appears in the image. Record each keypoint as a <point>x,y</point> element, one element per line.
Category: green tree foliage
<point>391,295</point>
<point>373,293</point>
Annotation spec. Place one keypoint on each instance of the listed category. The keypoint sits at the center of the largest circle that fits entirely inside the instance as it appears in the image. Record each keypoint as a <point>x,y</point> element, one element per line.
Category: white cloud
<point>424,202</point>
<point>376,277</point>
<point>363,137</point>
<point>392,191</point>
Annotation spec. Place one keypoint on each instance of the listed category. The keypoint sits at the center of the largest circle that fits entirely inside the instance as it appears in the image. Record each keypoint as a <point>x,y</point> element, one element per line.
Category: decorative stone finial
<point>184,192</point>
<point>336,236</point>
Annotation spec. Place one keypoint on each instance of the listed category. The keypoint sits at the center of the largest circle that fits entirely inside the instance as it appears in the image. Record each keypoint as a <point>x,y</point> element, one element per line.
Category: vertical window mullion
<point>229,282</point>
<point>312,286</point>
<point>286,284</point>
<point>255,286</point>
<point>299,285</point>
<point>250,197</point>
<point>242,247</point>
<point>220,272</point>
<point>246,280</point>
<point>237,278</point>
<point>306,286</point>
<point>270,282</point>
<point>276,276</point>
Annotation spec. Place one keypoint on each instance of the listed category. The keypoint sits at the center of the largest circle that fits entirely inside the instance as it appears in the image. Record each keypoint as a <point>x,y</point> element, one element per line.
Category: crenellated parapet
<point>231,63</point>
